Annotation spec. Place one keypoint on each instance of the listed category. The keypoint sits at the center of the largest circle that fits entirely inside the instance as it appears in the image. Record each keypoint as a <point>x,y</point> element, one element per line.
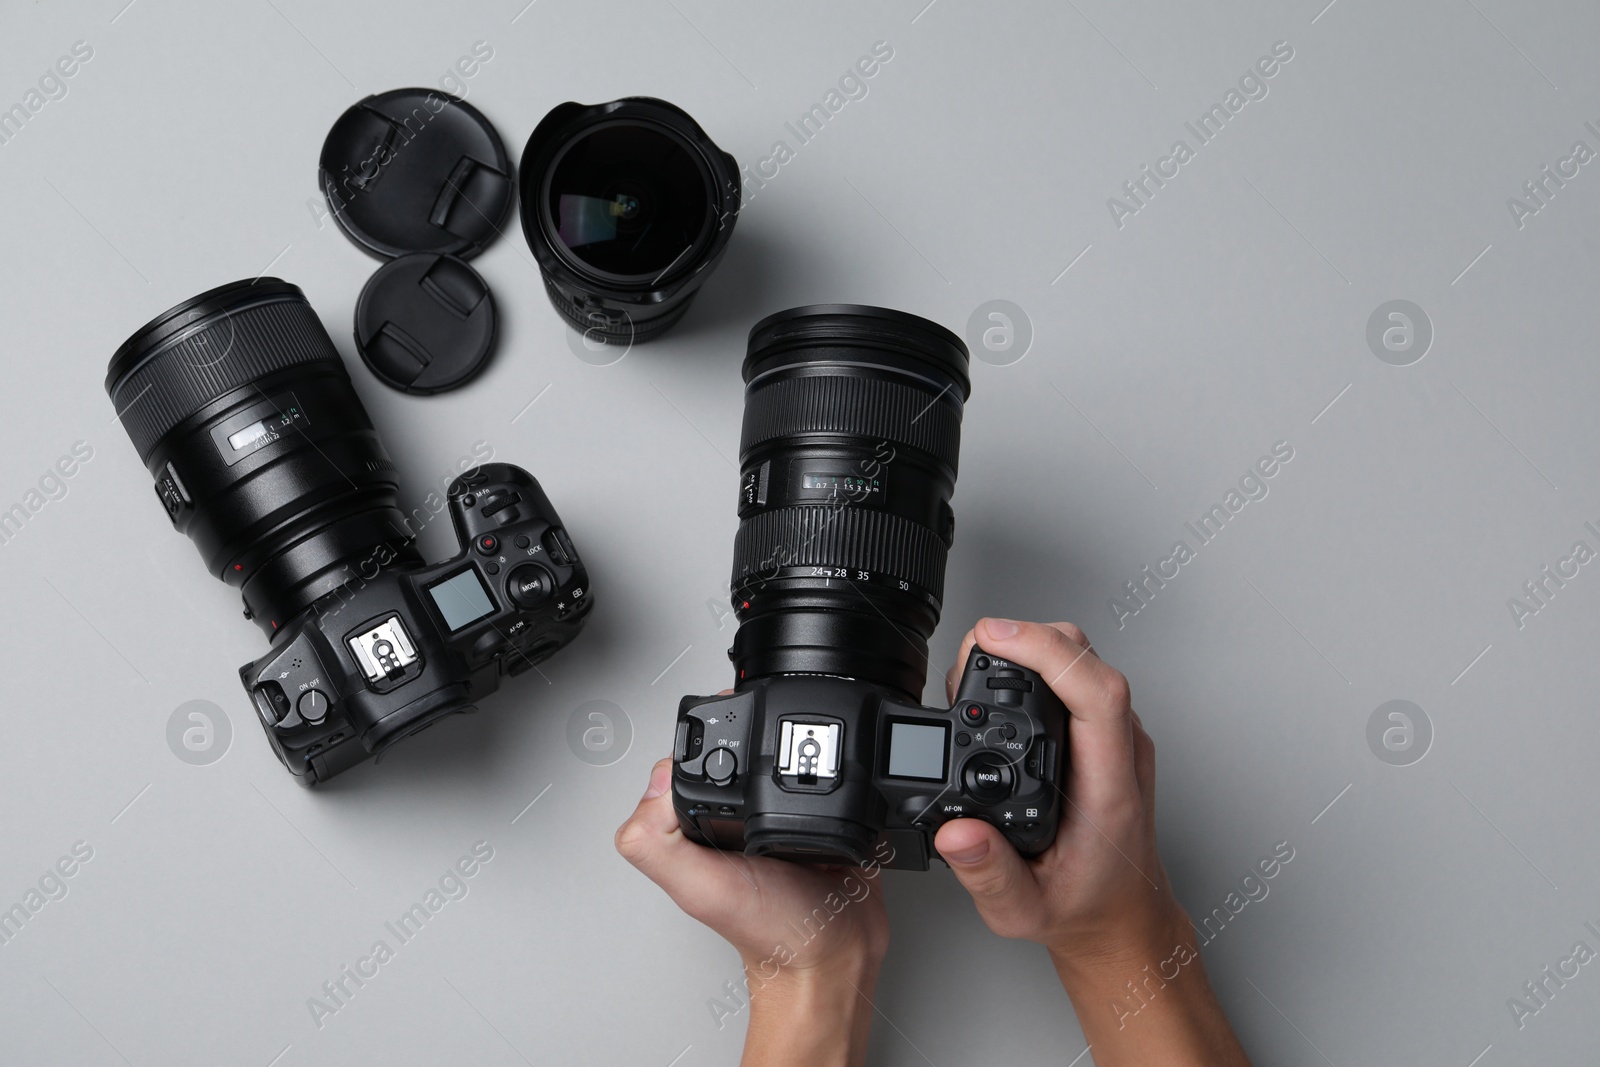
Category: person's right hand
<point>1098,899</point>
<point>1100,888</point>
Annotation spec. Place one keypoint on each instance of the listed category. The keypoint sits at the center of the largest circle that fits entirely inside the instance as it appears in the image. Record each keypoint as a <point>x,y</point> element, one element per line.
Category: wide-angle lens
<point>629,201</point>
<point>241,409</point>
<point>848,457</point>
<point>627,207</point>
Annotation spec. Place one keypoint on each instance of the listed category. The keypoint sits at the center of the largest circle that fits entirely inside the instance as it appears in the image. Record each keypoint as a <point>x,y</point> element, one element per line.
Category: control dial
<point>987,778</point>
<point>529,585</point>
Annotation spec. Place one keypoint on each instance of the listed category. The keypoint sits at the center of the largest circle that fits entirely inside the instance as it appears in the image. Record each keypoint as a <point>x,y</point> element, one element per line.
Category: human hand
<point>1100,886</point>
<point>811,938</point>
<point>1098,899</point>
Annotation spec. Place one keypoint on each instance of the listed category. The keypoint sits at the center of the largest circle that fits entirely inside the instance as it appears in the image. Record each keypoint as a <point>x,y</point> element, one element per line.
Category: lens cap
<point>425,323</point>
<point>416,170</point>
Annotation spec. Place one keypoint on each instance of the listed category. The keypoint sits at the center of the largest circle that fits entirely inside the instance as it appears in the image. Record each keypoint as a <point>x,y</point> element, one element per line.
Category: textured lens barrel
<point>848,458</point>
<point>241,409</point>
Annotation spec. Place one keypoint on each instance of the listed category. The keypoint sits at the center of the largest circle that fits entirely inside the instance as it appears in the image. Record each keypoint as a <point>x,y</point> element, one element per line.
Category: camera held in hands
<point>822,753</point>
<point>263,454</point>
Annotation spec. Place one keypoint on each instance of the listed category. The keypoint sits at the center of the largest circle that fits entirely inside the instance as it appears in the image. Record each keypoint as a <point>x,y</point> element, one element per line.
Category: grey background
<point>1227,315</point>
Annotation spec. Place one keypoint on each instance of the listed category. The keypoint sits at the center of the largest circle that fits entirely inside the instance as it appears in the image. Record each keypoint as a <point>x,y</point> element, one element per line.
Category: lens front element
<point>627,206</point>
<point>629,201</point>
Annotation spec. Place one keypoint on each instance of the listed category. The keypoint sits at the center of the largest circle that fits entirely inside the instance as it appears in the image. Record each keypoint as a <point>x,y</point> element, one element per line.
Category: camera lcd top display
<point>917,751</point>
<point>462,599</point>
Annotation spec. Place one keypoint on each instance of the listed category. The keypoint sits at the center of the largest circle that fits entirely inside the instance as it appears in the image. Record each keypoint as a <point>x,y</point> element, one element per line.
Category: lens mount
<point>628,207</point>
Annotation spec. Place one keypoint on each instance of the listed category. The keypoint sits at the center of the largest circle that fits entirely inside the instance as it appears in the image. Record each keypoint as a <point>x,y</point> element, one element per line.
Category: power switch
<point>721,765</point>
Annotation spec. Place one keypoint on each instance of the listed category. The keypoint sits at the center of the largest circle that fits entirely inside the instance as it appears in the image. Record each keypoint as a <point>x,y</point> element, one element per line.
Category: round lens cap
<point>416,170</point>
<point>425,323</point>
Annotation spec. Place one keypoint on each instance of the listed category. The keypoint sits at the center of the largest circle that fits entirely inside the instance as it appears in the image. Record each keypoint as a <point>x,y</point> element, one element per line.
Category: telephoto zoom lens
<point>628,207</point>
<point>203,389</point>
<point>852,432</point>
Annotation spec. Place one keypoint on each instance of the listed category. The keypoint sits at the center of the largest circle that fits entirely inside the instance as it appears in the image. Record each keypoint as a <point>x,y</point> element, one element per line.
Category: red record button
<point>488,544</point>
<point>973,714</point>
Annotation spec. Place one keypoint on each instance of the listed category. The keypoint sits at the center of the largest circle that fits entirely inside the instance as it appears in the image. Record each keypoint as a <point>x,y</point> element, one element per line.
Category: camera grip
<point>491,496</point>
<point>1023,768</point>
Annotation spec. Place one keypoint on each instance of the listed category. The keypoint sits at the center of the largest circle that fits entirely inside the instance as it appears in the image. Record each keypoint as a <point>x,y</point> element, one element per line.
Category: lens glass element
<point>629,200</point>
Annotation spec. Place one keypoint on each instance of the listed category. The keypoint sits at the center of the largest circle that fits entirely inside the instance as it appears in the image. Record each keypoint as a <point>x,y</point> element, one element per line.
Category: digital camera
<point>262,453</point>
<point>823,753</point>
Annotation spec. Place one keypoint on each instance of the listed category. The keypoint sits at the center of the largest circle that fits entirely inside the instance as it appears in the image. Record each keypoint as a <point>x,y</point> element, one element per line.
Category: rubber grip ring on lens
<point>223,353</point>
<point>853,538</point>
<point>875,409</point>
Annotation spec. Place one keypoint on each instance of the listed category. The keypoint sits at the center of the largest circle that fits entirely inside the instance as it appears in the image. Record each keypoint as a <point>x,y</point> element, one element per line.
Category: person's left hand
<point>811,938</point>
<point>759,905</point>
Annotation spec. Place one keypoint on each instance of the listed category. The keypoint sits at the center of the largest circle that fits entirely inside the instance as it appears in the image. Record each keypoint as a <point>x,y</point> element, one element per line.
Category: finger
<point>1100,730</point>
<point>1144,766</point>
<point>692,874</point>
<point>1000,881</point>
<point>1075,634</point>
<point>952,677</point>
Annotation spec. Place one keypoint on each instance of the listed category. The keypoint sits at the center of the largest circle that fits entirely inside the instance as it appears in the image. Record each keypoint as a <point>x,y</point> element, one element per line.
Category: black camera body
<point>263,455</point>
<point>823,754</point>
<point>827,770</point>
<point>389,654</point>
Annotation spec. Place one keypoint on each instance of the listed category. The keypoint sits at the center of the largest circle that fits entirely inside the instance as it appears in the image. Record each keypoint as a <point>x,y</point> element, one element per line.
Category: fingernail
<point>660,779</point>
<point>1000,629</point>
<point>969,855</point>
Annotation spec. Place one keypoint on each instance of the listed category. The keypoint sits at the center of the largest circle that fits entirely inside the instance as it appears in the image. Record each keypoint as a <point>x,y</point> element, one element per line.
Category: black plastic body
<point>866,812</point>
<point>358,717</point>
<point>262,453</point>
<point>623,311</point>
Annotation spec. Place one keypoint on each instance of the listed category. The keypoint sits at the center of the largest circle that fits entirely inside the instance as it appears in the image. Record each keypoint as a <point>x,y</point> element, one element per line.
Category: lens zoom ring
<point>189,374</point>
<point>850,537</point>
<point>865,407</point>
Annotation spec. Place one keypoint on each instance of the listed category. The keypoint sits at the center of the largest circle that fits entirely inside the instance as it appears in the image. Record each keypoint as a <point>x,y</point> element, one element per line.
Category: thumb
<point>652,842</point>
<point>1000,881</point>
